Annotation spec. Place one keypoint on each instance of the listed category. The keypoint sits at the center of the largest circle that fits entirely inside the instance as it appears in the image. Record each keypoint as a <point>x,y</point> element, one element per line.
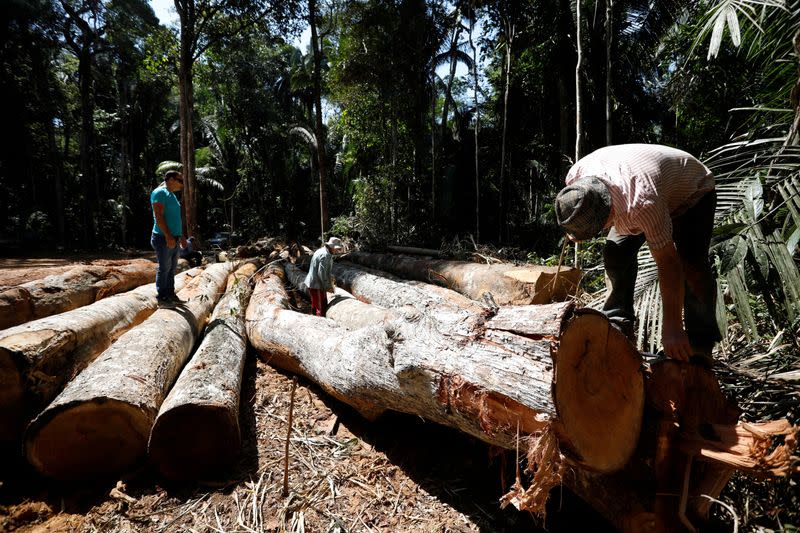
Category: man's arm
<point>158,212</point>
<point>670,276</point>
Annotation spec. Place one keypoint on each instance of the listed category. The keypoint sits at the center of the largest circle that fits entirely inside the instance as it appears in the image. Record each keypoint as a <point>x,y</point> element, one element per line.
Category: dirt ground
<point>398,473</point>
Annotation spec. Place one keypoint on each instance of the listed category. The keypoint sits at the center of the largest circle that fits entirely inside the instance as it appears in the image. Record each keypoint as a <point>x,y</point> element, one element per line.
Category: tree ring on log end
<point>599,392</point>
<point>11,398</point>
<point>195,442</point>
<point>97,439</point>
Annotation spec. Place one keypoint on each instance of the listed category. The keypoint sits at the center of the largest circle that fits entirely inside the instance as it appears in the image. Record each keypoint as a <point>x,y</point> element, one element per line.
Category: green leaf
<point>731,253</point>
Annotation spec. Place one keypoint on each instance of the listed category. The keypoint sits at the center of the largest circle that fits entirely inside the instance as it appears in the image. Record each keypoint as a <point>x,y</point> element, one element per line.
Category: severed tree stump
<point>100,423</point>
<point>508,284</point>
<point>39,357</point>
<point>75,288</point>
<point>196,434</point>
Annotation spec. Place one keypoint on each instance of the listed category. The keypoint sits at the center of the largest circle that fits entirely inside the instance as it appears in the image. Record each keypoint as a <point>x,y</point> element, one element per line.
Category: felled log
<point>448,311</point>
<point>196,434</point>
<point>508,284</point>
<point>77,287</point>
<point>39,357</point>
<point>100,423</point>
<point>259,248</point>
<point>488,387</point>
<point>342,306</point>
<point>412,250</point>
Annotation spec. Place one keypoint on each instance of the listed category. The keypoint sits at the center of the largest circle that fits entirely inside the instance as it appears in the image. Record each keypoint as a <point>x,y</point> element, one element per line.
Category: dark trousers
<point>691,232</point>
<point>167,265</point>
<point>319,301</point>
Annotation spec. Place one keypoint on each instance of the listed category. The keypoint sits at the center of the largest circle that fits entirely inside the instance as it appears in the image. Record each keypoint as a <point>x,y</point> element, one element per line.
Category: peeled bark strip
<point>100,423</point>
<point>196,434</point>
<point>77,287</point>
<point>39,357</point>
<point>487,387</point>
<point>508,284</point>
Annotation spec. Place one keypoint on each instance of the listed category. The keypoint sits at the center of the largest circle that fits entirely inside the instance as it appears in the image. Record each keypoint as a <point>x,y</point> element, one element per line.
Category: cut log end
<point>599,392</point>
<point>91,440</point>
<point>11,398</point>
<point>195,442</point>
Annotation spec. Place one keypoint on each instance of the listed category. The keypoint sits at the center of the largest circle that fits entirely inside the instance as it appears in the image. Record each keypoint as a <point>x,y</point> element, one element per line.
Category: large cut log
<point>39,357</point>
<point>77,287</point>
<point>508,284</point>
<point>447,311</point>
<point>487,387</point>
<point>100,423</point>
<point>196,434</point>
<point>342,306</point>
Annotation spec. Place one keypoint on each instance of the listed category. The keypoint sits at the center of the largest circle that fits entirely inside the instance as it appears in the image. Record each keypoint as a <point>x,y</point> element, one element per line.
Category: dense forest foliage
<point>418,121</point>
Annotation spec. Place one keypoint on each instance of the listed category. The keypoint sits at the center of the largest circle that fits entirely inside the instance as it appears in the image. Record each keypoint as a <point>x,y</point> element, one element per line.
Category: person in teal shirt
<point>167,234</point>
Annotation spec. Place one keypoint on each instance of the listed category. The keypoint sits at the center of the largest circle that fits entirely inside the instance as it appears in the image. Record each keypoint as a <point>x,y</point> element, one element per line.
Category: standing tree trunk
<point>578,82</point>
<point>509,29</point>
<point>609,40</point>
<point>477,128</point>
<point>100,423</point>
<point>319,129</point>
<point>186,13</point>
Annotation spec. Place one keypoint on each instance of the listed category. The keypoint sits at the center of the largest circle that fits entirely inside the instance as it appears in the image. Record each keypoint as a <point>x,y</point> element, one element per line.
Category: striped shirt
<point>650,185</point>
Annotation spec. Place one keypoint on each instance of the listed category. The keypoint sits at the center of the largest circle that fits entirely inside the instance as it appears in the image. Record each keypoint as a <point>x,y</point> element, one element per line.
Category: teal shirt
<point>172,210</point>
<point>319,272</point>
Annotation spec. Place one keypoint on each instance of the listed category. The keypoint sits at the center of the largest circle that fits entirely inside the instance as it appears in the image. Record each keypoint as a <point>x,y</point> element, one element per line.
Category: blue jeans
<point>167,265</point>
<point>691,233</point>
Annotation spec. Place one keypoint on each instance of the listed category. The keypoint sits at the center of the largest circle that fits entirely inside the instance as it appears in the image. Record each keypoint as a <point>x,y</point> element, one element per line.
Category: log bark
<point>100,423</point>
<point>448,311</point>
<point>486,385</point>
<point>75,288</point>
<point>343,307</point>
<point>411,250</point>
<point>508,284</point>
<point>196,434</point>
<point>39,357</point>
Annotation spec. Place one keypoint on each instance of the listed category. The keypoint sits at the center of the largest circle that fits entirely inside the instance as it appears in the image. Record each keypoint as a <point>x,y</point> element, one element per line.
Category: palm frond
<point>166,166</point>
<point>306,134</point>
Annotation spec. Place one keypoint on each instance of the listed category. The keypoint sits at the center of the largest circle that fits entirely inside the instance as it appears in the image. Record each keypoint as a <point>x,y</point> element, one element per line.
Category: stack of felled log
<point>88,391</point>
<point>473,347</point>
<point>496,351</point>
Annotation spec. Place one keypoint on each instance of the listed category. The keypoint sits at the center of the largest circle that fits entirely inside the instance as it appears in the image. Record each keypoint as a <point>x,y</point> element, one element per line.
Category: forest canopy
<point>404,121</point>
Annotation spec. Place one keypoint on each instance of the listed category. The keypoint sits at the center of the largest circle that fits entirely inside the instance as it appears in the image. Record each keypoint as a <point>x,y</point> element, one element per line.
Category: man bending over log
<point>663,196</point>
<point>319,279</point>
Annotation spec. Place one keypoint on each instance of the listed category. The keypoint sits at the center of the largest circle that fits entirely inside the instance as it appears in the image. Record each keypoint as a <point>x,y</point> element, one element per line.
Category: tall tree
<point>202,24</point>
<point>319,128</point>
<point>84,29</point>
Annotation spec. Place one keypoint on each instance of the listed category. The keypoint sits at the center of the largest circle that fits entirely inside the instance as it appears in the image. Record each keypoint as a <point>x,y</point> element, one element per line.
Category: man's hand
<point>676,344</point>
<point>670,275</point>
<point>170,241</point>
<point>183,242</point>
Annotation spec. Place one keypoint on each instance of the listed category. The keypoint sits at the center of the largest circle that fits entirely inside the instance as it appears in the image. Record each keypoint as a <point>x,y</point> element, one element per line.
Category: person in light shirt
<point>319,279</point>
<point>662,196</point>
